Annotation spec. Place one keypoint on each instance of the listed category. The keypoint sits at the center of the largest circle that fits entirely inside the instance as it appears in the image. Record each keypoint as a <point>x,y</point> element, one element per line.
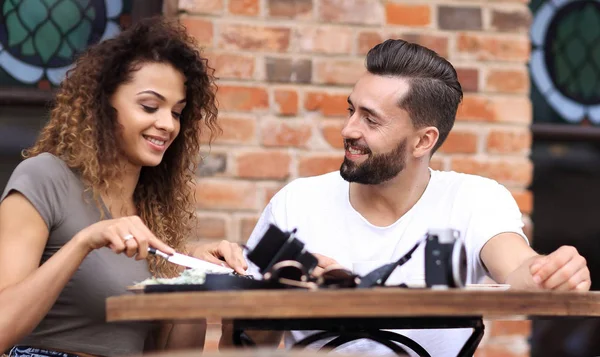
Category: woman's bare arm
<point>27,290</point>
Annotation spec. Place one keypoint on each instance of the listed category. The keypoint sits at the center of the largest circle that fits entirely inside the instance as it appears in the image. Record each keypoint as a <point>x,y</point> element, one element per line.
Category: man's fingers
<point>537,264</point>
<point>553,263</point>
<point>576,281</point>
<point>567,274</point>
<point>584,286</point>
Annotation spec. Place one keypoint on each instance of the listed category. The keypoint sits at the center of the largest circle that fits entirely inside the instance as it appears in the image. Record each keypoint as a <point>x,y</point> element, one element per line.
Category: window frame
<point>39,97</point>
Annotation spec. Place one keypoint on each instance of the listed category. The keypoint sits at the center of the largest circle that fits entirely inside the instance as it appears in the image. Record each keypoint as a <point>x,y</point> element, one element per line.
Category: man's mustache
<point>354,144</point>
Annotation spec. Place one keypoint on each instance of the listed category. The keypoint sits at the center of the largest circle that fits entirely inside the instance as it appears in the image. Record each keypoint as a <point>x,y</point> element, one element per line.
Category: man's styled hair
<point>434,91</point>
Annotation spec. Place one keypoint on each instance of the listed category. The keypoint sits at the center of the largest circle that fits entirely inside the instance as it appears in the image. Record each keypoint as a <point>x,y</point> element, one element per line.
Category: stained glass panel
<point>565,61</point>
<point>40,38</point>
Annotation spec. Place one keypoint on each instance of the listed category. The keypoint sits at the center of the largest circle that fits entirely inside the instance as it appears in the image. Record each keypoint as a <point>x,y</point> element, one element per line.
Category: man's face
<point>377,132</point>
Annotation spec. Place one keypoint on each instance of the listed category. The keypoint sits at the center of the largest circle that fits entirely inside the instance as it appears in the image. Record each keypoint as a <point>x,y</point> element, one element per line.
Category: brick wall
<point>287,66</point>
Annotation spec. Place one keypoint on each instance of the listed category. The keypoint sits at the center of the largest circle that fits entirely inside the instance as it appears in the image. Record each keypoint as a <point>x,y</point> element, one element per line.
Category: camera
<point>445,259</point>
<point>277,246</point>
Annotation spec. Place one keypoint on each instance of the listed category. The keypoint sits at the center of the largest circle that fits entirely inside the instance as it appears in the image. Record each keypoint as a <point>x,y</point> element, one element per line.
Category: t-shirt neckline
<point>428,189</point>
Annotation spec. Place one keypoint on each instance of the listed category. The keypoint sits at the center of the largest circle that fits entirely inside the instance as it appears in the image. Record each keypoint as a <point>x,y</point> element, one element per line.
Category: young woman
<point>111,172</point>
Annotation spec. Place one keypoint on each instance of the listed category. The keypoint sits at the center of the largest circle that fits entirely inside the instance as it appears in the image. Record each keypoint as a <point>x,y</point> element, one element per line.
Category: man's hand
<point>325,263</point>
<point>222,253</point>
<point>563,269</point>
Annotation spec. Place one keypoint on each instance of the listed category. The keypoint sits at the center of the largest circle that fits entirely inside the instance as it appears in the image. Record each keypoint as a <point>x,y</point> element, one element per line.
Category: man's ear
<point>426,138</point>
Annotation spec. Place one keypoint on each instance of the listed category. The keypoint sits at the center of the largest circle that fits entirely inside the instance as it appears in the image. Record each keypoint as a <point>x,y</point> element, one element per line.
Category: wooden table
<point>386,308</point>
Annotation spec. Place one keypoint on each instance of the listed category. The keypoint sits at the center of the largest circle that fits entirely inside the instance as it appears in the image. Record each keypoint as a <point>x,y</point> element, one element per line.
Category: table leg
<point>383,337</point>
<point>347,329</point>
<point>241,339</point>
<point>470,346</point>
<point>386,338</point>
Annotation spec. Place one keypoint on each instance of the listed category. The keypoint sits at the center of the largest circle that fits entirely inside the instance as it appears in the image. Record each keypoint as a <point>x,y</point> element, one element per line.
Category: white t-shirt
<point>319,208</point>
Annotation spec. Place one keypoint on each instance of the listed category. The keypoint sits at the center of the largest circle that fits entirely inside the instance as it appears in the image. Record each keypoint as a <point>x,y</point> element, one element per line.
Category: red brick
<point>201,6</point>
<point>515,171</point>
<point>254,38</point>
<point>229,65</point>
<point>247,225</point>
<point>408,14</point>
<point>213,163</point>
<point>288,70</point>
<point>367,40</point>
<point>512,109</point>
<point>244,7</point>
<point>338,71</point>
<point>436,163</point>
<point>528,226</point>
<point>468,78</point>
<point>326,103</point>
<point>509,141</point>
<point>498,351</point>
<point>226,194</point>
<point>511,20</point>
<point>437,43</point>
<point>236,130</point>
<point>296,9</point>
<point>286,101</point>
<point>332,132</point>
<point>525,202</point>
<point>264,165</point>
<point>495,109</point>
<point>318,164</point>
<point>284,133</point>
<point>493,47</point>
<point>324,39</point>
<point>459,18</point>
<point>507,81</point>
<point>211,227</point>
<point>363,12</point>
<point>475,107</point>
<point>238,98</point>
<point>460,141</point>
<point>270,191</point>
<point>201,29</point>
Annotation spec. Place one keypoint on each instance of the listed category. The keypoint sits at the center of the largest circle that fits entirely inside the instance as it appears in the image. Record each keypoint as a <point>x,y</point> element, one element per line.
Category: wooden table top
<point>378,302</point>
<point>248,352</point>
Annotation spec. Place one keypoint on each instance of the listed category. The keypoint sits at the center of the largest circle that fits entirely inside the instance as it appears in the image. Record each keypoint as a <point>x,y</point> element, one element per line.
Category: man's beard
<point>377,168</point>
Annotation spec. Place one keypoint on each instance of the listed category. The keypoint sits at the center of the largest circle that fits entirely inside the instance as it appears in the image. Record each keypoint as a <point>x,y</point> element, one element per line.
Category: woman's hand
<point>127,235</point>
<point>222,253</point>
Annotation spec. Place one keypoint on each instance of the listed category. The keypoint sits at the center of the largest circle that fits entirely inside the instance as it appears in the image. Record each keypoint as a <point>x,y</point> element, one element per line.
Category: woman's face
<point>148,110</point>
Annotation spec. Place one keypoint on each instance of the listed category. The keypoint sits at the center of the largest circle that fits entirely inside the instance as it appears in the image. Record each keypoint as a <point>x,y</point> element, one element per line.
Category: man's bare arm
<point>510,260</point>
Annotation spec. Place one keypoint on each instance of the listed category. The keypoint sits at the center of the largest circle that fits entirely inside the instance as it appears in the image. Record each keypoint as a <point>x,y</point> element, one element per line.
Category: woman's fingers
<point>124,232</point>
<point>116,242</point>
<point>233,255</point>
<point>150,238</point>
<point>141,235</point>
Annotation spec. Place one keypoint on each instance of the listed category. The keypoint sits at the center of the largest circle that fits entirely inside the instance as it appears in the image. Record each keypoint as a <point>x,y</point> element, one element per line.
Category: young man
<point>385,197</point>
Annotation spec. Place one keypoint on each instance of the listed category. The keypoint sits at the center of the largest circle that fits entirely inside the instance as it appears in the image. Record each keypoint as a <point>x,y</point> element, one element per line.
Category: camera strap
<point>379,276</point>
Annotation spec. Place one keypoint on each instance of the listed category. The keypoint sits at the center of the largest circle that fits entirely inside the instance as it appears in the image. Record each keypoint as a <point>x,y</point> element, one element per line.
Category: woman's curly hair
<point>82,126</point>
